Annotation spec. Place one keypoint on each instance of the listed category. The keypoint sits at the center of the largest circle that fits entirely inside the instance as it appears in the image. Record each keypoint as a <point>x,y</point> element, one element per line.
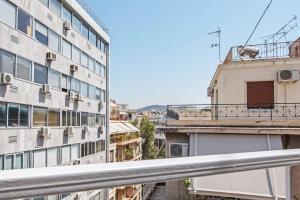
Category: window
<point>45,2</point>
<point>54,79</point>
<point>84,89</point>
<point>67,15</point>
<point>41,33</point>
<point>64,118</point>
<point>85,31</point>
<point>260,94</point>
<point>75,54</point>
<point>91,119</point>
<point>55,6</point>
<point>53,118</point>
<point>98,120</point>
<point>23,70</point>
<point>78,118</point>
<point>8,13</point>
<point>13,115</point>
<point>2,114</point>
<point>1,163</point>
<point>98,94</point>
<point>102,145</point>
<point>24,22</point>
<point>98,68</point>
<point>54,41</point>
<point>102,71</point>
<point>69,122</point>
<point>65,154</point>
<point>84,119</point>
<point>27,160</point>
<point>9,162</point>
<point>76,23</point>
<point>91,64</point>
<point>75,151</point>
<point>93,38</point>
<point>39,158</point>
<point>65,84</point>
<point>52,157</point>
<point>67,49</point>
<point>40,74</point>
<point>39,117</point>
<point>103,95</point>
<point>84,59</point>
<point>7,62</point>
<point>19,161</point>
<point>91,92</point>
<point>74,121</point>
<point>24,115</point>
<point>103,47</point>
<point>75,85</point>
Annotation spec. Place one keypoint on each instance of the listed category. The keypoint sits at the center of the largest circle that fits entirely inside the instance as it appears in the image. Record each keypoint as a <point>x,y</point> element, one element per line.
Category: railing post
<point>272,114</point>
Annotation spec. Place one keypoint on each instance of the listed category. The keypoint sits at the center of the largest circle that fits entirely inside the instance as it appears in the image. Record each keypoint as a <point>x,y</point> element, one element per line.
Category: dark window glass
<point>74,119</point>
<point>39,117</point>
<point>84,119</point>
<point>78,119</point>
<point>82,150</point>
<point>85,31</point>
<point>2,114</point>
<point>13,115</point>
<point>41,33</point>
<point>24,22</point>
<point>7,62</point>
<point>91,119</point>
<point>53,118</point>
<point>92,38</point>
<point>76,23</point>
<point>23,115</point>
<point>23,70</point>
<point>98,94</point>
<point>40,74</point>
<point>69,122</point>
<point>64,118</point>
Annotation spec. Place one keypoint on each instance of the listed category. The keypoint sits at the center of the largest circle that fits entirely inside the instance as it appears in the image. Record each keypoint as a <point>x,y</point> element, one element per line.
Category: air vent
<point>14,39</point>
<point>49,17</point>
<point>288,75</point>
<point>179,149</point>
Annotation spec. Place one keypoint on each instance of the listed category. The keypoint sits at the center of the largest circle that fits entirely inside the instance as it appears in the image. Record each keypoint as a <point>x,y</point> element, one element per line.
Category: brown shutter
<point>260,94</point>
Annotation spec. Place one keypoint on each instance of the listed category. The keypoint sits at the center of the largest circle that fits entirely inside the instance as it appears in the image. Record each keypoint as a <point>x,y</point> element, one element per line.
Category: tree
<point>147,132</point>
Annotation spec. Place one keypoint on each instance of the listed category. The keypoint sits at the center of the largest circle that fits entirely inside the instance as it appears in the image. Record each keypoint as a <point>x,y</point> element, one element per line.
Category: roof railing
<point>26,183</point>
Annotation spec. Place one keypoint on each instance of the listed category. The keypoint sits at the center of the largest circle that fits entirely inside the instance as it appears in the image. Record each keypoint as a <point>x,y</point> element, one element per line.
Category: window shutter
<point>260,94</point>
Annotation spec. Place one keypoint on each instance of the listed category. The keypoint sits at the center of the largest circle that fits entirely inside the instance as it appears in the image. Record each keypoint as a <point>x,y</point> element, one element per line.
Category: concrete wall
<point>231,80</point>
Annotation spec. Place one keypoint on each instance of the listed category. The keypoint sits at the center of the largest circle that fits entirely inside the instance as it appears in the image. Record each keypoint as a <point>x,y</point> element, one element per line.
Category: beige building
<point>125,145</point>
<point>254,107</point>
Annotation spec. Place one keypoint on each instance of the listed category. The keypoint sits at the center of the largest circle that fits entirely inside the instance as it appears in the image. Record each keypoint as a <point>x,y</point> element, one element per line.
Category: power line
<point>257,24</point>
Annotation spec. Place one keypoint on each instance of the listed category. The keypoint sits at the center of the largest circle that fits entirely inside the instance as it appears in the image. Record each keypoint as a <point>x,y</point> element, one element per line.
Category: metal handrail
<point>15,184</point>
<point>234,111</point>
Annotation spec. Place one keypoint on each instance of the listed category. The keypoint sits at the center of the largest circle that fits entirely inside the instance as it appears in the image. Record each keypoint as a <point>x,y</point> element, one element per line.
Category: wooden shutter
<point>260,94</point>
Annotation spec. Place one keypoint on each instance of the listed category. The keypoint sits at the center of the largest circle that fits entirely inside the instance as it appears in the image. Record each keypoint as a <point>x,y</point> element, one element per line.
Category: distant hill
<point>160,108</point>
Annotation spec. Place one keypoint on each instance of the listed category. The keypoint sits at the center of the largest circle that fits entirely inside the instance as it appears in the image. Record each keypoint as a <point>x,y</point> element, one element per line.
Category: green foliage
<point>147,132</point>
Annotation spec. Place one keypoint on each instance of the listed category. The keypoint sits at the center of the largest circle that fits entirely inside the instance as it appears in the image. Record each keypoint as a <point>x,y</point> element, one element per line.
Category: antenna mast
<point>218,33</point>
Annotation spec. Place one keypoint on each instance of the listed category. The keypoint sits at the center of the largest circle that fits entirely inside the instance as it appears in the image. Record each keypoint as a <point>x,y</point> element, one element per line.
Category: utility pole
<point>218,33</point>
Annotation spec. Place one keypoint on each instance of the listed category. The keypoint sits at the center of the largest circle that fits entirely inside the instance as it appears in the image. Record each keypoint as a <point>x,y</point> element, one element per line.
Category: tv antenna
<point>282,32</point>
<point>218,34</point>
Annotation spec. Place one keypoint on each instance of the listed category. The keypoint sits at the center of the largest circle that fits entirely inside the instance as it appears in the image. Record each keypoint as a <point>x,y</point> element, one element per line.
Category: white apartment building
<point>54,68</point>
<point>254,107</point>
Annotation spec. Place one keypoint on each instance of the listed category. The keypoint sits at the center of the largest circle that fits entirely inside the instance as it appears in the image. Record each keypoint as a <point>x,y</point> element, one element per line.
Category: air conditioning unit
<point>69,131</point>
<point>46,88</point>
<point>67,25</point>
<point>86,129</point>
<point>100,129</point>
<point>179,149</point>
<point>288,75</point>
<point>79,97</point>
<point>76,162</point>
<point>50,56</point>
<point>6,79</point>
<point>71,95</point>
<point>73,68</point>
<point>45,133</point>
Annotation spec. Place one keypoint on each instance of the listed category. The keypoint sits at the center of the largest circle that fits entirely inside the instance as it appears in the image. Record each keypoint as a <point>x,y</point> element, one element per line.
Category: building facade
<point>254,107</point>
<point>54,66</point>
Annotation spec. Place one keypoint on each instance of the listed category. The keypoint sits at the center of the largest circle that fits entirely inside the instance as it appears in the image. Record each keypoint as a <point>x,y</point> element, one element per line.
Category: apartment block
<point>54,67</point>
<point>254,107</point>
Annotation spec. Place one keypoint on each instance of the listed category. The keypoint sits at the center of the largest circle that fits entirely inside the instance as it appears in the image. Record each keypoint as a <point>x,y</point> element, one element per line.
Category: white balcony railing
<point>26,183</point>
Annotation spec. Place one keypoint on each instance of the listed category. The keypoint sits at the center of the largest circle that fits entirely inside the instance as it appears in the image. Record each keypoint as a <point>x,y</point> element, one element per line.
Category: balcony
<point>274,112</point>
<point>265,51</point>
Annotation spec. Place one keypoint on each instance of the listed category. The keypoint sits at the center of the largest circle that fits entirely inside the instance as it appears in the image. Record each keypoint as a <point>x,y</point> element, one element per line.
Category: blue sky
<point>160,50</point>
